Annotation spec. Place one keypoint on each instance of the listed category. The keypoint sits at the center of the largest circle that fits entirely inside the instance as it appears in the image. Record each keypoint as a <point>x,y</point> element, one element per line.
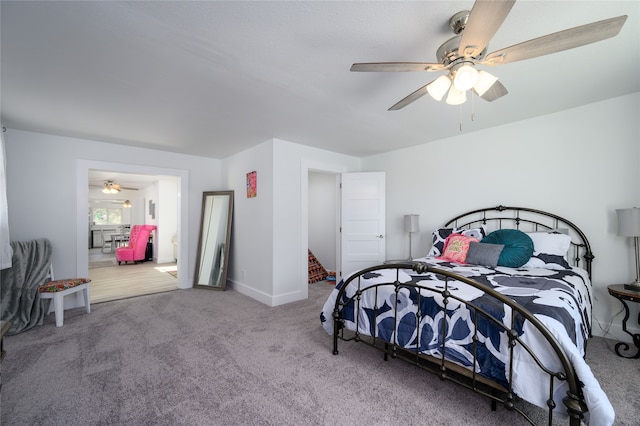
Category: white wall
<point>251,252</point>
<point>292,163</point>
<point>36,163</point>
<point>581,164</point>
<point>167,217</point>
<point>150,194</point>
<point>164,194</point>
<point>270,232</point>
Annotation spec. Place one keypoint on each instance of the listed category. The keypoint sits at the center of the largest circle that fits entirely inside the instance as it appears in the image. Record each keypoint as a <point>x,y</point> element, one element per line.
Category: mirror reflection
<point>215,235</point>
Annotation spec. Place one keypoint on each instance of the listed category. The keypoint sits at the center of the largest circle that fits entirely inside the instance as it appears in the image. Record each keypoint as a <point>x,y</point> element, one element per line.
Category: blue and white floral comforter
<point>560,299</point>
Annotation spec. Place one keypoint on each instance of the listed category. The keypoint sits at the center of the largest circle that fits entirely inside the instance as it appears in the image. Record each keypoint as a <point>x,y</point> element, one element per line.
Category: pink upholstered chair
<point>136,249</point>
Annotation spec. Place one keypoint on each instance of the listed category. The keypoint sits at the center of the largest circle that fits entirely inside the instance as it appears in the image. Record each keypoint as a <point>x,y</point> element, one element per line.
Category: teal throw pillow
<point>518,246</point>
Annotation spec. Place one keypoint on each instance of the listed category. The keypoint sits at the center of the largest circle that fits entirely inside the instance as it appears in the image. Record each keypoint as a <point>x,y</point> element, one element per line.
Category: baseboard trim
<point>293,296</point>
<point>250,291</point>
<point>265,298</point>
<point>615,332</point>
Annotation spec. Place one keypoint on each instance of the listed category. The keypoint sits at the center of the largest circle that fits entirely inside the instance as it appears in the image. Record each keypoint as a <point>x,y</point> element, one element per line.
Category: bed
<point>500,305</point>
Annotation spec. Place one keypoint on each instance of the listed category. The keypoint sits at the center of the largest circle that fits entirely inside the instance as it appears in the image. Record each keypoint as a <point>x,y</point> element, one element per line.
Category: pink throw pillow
<point>456,247</point>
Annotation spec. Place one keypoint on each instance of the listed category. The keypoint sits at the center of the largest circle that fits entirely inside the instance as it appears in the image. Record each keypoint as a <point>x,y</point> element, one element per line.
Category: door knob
<point>380,236</point>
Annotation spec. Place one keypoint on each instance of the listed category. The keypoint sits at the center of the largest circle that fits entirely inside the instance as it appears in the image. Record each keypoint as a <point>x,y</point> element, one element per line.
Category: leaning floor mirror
<point>215,235</point>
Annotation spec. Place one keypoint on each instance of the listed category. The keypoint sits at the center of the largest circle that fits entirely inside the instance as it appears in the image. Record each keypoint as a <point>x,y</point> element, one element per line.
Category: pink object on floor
<point>136,249</point>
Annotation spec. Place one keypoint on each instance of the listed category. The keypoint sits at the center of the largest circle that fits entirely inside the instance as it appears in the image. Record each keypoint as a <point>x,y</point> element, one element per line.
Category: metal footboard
<point>446,370</point>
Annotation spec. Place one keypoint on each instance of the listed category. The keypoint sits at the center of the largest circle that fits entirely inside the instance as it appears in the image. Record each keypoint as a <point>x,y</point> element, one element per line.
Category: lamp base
<point>633,286</point>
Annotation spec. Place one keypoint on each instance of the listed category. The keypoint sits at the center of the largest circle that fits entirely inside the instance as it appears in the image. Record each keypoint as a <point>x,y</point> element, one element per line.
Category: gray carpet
<point>199,357</point>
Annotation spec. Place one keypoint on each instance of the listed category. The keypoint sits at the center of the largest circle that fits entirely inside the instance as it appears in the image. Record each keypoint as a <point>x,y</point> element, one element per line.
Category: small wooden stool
<point>57,289</point>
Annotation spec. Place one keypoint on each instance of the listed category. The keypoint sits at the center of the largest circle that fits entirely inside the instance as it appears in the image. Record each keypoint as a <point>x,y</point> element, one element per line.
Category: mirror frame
<point>227,239</point>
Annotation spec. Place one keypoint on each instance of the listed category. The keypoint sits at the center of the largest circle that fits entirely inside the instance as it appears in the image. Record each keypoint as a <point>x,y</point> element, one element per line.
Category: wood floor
<point>127,280</point>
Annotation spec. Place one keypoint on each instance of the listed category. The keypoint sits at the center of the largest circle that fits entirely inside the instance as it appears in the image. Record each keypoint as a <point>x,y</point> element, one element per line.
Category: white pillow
<point>549,250</point>
<point>550,243</point>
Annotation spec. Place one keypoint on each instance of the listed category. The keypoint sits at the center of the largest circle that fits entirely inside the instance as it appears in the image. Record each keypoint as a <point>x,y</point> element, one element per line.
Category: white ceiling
<point>215,78</point>
<point>129,181</point>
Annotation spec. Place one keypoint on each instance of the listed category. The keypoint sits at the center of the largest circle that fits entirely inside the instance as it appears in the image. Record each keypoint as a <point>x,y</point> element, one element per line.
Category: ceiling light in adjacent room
<point>110,188</point>
<point>127,204</point>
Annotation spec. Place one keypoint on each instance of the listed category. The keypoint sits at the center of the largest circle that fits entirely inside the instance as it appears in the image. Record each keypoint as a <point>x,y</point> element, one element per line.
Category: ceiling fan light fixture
<point>438,87</point>
<point>455,96</point>
<point>127,204</point>
<point>484,83</point>
<point>474,30</point>
<point>465,77</point>
<point>109,188</point>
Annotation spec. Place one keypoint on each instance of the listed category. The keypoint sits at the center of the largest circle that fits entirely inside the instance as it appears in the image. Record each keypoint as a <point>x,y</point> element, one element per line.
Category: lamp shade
<point>484,83</point>
<point>629,222</point>
<point>411,222</point>
<point>438,87</point>
<point>465,77</point>
<point>456,97</point>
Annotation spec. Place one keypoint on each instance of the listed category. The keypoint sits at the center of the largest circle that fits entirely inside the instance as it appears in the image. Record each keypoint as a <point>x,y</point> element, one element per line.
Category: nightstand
<point>623,295</point>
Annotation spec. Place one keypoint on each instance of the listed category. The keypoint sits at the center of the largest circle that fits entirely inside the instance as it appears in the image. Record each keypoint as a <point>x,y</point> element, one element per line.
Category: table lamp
<point>629,226</point>
<point>411,225</point>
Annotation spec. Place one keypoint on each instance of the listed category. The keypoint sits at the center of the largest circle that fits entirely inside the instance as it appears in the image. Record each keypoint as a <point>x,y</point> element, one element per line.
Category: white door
<point>362,221</point>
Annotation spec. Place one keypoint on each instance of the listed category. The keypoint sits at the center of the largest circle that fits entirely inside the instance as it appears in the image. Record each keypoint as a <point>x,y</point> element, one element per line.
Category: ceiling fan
<point>460,54</point>
<point>110,187</point>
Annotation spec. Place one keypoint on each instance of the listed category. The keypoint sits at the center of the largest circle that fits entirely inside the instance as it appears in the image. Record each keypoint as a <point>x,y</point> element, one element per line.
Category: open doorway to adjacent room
<point>142,198</point>
<point>343,220</point>
<point>323,225</point>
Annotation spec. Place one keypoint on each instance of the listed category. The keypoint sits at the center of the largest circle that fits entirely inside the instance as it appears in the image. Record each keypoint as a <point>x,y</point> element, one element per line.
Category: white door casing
<point>362,221</point>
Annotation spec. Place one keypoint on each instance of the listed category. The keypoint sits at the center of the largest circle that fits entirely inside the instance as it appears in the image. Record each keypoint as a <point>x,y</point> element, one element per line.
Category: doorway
<point>373,246</point>
<point>324,218</point>
<point>111,215</point>
<point>181,236</point>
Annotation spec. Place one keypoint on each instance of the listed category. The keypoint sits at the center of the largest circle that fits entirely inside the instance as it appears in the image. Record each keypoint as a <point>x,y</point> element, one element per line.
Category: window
<point>104,216</point>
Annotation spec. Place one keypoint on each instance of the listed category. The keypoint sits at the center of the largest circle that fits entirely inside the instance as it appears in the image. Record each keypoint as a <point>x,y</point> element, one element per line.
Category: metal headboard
<point>529,220</point>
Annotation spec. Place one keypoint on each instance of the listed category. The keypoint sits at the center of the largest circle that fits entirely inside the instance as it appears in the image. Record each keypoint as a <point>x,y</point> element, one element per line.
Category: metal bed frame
<point>527,220</point>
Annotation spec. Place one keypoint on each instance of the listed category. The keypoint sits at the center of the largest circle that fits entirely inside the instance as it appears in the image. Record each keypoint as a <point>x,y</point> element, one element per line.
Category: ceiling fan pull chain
<point>473,107</point>
<point>460,116</point>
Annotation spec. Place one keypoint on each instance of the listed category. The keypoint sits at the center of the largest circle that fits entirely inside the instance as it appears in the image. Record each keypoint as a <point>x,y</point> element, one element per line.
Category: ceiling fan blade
<point>557,42</point>
<point>411,98</point>
<point>497,90</point>
<point>396,66</point>
<point>485,19</point>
